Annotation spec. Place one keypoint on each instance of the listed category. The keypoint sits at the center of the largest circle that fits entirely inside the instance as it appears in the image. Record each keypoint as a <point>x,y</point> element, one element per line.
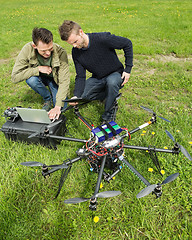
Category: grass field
<point>161,79</point>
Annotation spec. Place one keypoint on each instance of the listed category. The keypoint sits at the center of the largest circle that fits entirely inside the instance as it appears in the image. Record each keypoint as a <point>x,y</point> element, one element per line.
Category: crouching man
<point>42,63</point>
<point>96,52</point>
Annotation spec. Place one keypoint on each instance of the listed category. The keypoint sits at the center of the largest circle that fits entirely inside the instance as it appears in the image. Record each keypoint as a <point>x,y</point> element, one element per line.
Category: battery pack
<point>105,131</point>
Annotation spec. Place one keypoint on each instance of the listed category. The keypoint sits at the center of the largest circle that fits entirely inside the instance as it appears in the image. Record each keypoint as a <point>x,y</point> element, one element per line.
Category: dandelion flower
<point>96,219</point>
<point>153,133</point>
<point>144,131</point>
<point>163,172</point>
<point>178,131</point>
<point>165,147</point>
<point>190,142</point>
<point>101,185</point>
<point>150,169</point>
<point>142,134</point>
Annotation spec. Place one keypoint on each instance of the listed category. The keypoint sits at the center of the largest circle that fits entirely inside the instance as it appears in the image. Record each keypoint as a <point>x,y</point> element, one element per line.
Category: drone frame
<point>85,153</point>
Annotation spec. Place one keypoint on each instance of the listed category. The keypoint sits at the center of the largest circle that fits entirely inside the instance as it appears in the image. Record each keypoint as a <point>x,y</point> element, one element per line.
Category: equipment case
<point>16,129</point>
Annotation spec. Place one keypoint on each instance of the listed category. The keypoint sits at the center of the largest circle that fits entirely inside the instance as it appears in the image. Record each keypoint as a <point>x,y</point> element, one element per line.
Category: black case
<point>18,130</point>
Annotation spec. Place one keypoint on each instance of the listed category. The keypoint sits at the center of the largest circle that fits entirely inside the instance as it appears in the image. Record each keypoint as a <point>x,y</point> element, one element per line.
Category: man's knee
<point>114,80</point>
<point>32,81</point>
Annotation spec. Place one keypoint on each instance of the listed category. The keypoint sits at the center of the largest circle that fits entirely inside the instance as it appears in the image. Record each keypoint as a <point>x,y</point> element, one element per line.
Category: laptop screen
<point>33,115</point>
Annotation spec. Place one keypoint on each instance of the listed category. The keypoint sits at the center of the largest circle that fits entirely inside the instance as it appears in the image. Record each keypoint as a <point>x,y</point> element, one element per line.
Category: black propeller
<point>38,164</point>
<point>105,194</point>
<point>183,150</point>
<point>151,111</point>
<point>152,187</point>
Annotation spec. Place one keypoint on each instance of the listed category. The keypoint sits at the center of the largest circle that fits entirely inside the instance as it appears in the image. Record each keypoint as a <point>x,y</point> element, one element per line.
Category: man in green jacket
<point>43,63</point>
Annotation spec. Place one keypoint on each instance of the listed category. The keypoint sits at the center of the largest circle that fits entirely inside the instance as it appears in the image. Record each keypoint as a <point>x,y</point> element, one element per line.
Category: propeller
<point>151,111</point>
<point>39,164</point>
<point>105,194</point>
<point>153,187</point>
<point>183,150</point>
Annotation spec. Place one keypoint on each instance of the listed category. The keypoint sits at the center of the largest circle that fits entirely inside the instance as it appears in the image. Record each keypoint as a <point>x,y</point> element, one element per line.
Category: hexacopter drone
<point>105,150</point>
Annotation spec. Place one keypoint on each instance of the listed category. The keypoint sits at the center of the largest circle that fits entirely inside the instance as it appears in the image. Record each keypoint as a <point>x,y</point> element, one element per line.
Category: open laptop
<point>33,115</point>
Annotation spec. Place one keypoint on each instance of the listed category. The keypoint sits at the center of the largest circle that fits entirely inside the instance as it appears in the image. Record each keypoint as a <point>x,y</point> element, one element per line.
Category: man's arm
<point>80,77</point>
<point>63,81</point>
<point>23,69</point>
<point>118,42</point>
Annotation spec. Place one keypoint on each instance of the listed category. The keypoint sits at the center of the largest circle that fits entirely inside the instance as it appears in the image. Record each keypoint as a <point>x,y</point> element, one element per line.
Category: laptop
<point>33,115</point>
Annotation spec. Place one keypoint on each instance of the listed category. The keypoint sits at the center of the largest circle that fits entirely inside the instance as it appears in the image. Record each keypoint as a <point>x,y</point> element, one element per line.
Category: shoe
<point>47,106</point>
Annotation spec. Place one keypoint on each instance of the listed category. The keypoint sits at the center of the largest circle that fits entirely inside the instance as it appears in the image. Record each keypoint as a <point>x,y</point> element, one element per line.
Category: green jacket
<point>26,66</point>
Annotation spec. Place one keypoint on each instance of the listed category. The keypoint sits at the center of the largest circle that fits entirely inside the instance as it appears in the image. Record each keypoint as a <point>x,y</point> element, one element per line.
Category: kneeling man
<point>43,63</point>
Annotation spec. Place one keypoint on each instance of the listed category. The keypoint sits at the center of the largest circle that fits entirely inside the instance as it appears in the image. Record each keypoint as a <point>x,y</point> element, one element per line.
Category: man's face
<point>77,40</point>
<point>44,49</point>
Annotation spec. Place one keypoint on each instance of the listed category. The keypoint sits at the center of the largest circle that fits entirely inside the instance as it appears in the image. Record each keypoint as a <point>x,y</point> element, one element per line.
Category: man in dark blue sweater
<point>95,52</point>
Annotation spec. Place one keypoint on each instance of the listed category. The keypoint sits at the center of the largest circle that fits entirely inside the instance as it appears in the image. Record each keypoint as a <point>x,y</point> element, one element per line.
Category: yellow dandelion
<point>150,169</point>
<point>144,131</point>
<point>190,143</point>
<point>153,133</point>
<point>147,151</point>
<point>113,178</point>
<point>101,185</point>
<point>165,147</point>
<point>96,219</point>
<point>163,172</point>
<point>142,134</point>
<point>177,130</point>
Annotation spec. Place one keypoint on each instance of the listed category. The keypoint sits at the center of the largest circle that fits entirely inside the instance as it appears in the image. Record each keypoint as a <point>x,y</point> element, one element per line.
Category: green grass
<point>161,79</point>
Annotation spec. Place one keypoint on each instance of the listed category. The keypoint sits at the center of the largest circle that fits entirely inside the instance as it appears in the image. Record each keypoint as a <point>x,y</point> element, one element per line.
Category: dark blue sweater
<point>100,58</point>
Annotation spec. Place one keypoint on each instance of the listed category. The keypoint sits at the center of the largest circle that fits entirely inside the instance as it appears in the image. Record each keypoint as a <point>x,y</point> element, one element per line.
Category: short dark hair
<point>67,28</point>
<point>41,34</point>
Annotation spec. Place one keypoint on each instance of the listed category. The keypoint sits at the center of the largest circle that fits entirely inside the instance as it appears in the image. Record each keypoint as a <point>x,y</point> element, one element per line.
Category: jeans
<point>38,84</point>
<point>105,88</point>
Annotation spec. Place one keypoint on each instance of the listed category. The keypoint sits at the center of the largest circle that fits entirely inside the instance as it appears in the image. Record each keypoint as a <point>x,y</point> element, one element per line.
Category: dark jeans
<point>38,84</point>
<point>105,88</point>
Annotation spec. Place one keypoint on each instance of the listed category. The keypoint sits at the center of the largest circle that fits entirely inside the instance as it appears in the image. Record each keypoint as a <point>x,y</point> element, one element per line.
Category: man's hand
<point>55,112</point>
<point>73,103</point>
<point>125,76</point>
<point>45,69</point>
